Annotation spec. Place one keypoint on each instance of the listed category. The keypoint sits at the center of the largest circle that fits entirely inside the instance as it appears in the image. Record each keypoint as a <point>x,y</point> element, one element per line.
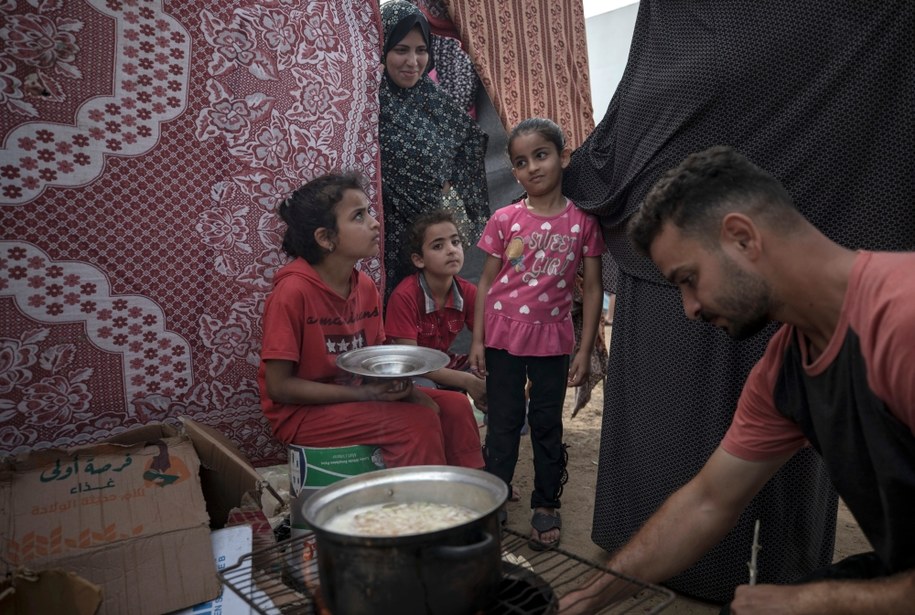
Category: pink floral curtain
<point>145,147</point>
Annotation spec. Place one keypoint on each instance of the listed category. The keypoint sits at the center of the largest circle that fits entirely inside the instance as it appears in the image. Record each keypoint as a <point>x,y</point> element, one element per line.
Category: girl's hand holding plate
<point>387,389</point>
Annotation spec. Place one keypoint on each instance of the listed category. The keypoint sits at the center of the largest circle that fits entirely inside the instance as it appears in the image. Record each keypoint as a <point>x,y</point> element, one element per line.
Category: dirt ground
<point>583,435</point>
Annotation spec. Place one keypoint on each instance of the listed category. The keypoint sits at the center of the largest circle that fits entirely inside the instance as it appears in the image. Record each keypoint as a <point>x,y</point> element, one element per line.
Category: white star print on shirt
<point>331,347</point>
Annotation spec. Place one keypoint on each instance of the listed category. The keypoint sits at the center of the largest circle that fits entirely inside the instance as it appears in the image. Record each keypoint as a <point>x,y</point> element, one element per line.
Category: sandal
<point>544,522</point>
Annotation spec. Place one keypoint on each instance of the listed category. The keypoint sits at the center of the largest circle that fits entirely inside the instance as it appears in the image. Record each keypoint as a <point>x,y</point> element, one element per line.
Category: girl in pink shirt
<point>523,323</point>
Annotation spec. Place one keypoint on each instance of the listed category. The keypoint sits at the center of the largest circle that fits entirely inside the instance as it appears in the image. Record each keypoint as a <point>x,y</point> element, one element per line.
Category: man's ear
<point>739,233</point>
<point>417,260</point>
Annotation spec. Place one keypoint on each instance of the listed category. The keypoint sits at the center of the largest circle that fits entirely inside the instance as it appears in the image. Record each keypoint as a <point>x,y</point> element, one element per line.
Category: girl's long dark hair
<point>312,207</point>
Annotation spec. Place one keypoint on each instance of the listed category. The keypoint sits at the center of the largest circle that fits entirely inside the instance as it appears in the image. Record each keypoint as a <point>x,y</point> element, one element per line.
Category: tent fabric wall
<point>532,58</point>
<point>145,149</point>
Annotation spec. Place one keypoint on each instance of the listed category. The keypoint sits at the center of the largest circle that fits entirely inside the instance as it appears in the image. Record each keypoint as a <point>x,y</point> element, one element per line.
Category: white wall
<point>609,36</point>
<point>597,7</point>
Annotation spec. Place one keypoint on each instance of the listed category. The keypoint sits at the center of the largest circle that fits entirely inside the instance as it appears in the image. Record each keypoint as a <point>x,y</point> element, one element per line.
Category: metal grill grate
<point>284,578</point>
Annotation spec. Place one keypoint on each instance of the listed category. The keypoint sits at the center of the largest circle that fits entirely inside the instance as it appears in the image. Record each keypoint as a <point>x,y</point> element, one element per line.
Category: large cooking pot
<point>454,571</point>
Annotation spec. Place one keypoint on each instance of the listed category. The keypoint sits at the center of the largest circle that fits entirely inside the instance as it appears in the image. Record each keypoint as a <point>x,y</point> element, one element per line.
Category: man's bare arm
<point>693,520</point>
<point>893,595</point>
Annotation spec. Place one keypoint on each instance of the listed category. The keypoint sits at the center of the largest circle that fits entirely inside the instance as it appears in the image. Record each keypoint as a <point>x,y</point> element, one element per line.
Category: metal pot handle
<point>460,552</point>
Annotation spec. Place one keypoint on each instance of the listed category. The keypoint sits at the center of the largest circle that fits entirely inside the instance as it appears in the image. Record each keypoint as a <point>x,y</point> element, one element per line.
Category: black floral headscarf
<point>398,18</point>
<point>432,152</point>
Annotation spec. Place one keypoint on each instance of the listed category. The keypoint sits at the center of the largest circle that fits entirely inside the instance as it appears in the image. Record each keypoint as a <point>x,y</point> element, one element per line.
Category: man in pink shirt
<point>838,376</point>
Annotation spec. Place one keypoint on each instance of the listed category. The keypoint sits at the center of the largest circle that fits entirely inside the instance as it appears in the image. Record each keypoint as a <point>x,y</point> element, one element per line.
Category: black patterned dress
<point>428,142</point>
<point>822,95</point>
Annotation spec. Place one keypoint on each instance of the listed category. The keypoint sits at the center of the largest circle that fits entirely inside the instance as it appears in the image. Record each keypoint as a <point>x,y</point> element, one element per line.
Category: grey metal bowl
<point>392,361</point>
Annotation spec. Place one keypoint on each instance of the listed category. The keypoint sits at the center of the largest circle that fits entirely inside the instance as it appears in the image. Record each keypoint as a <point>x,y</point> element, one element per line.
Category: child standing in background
<point>430,307</point>
<point>523,326</point>
<point>321,307</point>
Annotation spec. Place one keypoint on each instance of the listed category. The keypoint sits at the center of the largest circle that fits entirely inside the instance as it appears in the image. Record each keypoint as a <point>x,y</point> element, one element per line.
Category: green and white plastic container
<point>319,467</point>
<point>312,468</point>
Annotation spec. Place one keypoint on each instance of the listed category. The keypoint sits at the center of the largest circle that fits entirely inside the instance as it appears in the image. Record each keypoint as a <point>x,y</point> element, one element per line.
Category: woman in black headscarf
<point>432,152</point>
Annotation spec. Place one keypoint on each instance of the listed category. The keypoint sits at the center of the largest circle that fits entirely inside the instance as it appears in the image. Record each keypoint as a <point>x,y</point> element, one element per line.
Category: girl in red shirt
<point>322,306</point>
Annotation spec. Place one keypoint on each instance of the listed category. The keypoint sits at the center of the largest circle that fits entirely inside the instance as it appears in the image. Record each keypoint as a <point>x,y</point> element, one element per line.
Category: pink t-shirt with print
<point>528,307</point>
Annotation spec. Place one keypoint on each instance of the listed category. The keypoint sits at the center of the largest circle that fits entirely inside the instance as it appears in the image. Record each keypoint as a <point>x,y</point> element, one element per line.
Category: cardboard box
<point>128,515</point>
<point>49,591</point>
<point>226,476</point>
<point>229,546</point>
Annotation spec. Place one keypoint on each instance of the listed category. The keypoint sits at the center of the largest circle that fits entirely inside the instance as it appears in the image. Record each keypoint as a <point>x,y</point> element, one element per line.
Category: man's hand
<point>893,595</point>
<point>762,599</point>
<point>601,590</point>
<point>687,525</point>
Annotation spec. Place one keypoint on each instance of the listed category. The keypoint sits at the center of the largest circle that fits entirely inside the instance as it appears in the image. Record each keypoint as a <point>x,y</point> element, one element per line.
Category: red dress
<point>308,323</point>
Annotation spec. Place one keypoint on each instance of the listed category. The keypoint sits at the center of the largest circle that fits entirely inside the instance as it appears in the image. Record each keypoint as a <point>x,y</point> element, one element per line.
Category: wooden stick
<point>753,551</point>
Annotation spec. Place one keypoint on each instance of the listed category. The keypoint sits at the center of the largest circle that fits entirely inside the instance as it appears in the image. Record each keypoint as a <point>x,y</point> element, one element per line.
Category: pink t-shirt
<point>528,307</point>
<point>878,308</point>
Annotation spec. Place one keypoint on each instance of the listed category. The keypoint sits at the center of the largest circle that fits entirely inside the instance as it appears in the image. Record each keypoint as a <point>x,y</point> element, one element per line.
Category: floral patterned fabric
<point>454,72</point>
<point>531,57</point>
<point>146,145</point>
<point>433,9</point>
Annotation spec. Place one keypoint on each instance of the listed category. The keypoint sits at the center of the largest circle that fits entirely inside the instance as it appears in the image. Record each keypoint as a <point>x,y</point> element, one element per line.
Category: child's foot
<point>514,496</point>
<point>545,529</point>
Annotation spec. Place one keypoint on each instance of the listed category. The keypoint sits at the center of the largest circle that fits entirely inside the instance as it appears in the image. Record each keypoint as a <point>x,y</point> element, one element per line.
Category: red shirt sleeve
<point>882,315</point>
<point>878,309</point>
<point>759,431</point>
<point>469,291</point>
<point>282,322</point>
<point>593,238</point>
<point>892,377</point>
<point>401,318</point>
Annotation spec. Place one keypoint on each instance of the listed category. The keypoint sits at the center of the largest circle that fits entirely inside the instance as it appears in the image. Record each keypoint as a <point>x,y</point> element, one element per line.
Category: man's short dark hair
<point>696,194</point>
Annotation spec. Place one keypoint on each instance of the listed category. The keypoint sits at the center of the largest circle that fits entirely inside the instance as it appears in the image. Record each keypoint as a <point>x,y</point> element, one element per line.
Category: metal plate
<point>392,361</point>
